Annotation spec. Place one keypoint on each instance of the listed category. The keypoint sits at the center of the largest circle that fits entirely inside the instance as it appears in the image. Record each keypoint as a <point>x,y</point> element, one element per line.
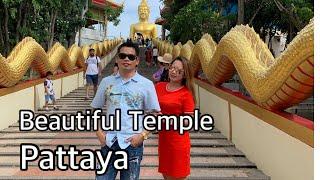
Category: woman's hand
<point>186,122</point>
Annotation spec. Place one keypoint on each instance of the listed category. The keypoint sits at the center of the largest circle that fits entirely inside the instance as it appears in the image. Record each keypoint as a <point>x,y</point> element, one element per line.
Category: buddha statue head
<point>143,11</point>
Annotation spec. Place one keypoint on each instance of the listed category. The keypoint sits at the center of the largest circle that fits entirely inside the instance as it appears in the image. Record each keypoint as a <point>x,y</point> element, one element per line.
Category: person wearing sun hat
<point>162,73</point>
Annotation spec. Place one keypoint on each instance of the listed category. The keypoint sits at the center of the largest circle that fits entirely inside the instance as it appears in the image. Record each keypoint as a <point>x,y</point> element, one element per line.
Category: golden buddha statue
<point>148,30</point>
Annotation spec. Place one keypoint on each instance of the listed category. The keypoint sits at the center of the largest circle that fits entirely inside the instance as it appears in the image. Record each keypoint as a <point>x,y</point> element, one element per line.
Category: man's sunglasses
<point>131,57</point>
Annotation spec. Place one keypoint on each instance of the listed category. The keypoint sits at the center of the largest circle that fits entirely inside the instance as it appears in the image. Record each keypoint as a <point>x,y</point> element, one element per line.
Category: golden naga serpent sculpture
<point>29,54</point>
<point>273,83</point>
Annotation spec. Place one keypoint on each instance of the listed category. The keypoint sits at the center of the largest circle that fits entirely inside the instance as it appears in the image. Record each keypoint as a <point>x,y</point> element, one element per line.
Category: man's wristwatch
<point>145,135</point>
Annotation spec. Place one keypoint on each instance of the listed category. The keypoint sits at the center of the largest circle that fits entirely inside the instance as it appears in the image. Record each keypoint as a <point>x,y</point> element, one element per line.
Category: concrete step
<point>15,129</point>
<point>69,109</point>
<point>88,135</point>
<point>15,126</point>
<point>148,151</point>
<point>150,142</point>
<point>73,100</point>
<point>70,103</point>
<point>147,173</point>
<point>81,99</point>
<point>60,112</point>
<point>76,96</point>
<point>152,161</point>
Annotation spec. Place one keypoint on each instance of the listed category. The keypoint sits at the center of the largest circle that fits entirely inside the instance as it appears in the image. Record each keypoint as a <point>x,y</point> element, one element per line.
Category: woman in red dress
<point>176,97</point>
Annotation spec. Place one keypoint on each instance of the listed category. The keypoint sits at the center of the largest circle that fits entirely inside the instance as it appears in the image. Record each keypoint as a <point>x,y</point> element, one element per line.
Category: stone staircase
<point>212,155</point>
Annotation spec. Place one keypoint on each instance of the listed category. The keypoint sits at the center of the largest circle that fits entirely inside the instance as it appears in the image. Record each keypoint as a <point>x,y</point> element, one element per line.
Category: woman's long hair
<point>164,76</point>
<point>188,77</point>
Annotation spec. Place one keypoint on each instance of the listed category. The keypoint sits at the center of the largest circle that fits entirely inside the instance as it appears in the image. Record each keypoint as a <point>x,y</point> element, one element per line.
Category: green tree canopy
<point>45,20</point>
<point>197,18</point>
<point>286,15</point>
<point>113,14</point>
<point>188,19</point>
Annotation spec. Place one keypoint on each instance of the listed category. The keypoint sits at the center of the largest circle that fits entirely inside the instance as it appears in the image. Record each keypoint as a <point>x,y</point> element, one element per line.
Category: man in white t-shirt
<point>155,55</point>
<point>93,71</point>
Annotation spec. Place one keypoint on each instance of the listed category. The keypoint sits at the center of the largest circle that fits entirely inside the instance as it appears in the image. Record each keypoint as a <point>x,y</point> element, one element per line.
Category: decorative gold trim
<point>28,53</point>
<point>34,98</point>
<point>199,96</point>
<point>61,87</point>
<point>291,128</point>
<point>266,78</point>
<point>78,80</point>
<point>24,85</point>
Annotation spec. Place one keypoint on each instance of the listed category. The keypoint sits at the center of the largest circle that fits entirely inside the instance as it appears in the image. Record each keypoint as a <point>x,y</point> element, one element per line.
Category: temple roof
<point>97,9</point>
<point>160,21</point>
<point>103,3</point>
<point>168,2</point>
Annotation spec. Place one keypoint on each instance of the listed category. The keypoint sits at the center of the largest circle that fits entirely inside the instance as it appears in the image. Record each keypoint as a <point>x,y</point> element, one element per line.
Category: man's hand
<point>102,137</point>
<point>155,113</point>
<point>136,140</point>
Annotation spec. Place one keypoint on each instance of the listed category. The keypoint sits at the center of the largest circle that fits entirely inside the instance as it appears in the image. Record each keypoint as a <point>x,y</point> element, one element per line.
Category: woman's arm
<point>188,106</point>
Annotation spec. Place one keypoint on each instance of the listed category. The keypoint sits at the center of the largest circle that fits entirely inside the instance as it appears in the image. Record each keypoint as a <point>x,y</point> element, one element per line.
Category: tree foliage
<point>197,18</point>
<point>45,20</point>
<point>113,14</point>
<point>289,16</point>
<point>174,9</point>
<point>188,19</point>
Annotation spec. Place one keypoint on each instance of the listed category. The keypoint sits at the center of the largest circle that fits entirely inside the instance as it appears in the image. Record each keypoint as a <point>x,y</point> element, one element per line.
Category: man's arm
<point>152,107</point>
<point>85,68</point>
<point>45,87</point>
<point>99,66</point>
<point>151,104</point>
<point>100,69</point>
<point>98,102</point>
<point>101,137</point>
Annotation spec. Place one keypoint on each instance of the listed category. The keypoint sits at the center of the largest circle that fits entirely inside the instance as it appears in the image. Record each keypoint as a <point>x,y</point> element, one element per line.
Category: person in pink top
<point>162,73</point>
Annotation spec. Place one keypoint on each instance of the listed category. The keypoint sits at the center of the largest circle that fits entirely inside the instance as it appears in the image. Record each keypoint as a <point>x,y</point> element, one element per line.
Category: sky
<point>130,16</point>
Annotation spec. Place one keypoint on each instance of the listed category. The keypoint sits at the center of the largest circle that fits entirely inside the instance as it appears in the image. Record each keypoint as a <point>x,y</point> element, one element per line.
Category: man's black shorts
<point>92,79</point>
